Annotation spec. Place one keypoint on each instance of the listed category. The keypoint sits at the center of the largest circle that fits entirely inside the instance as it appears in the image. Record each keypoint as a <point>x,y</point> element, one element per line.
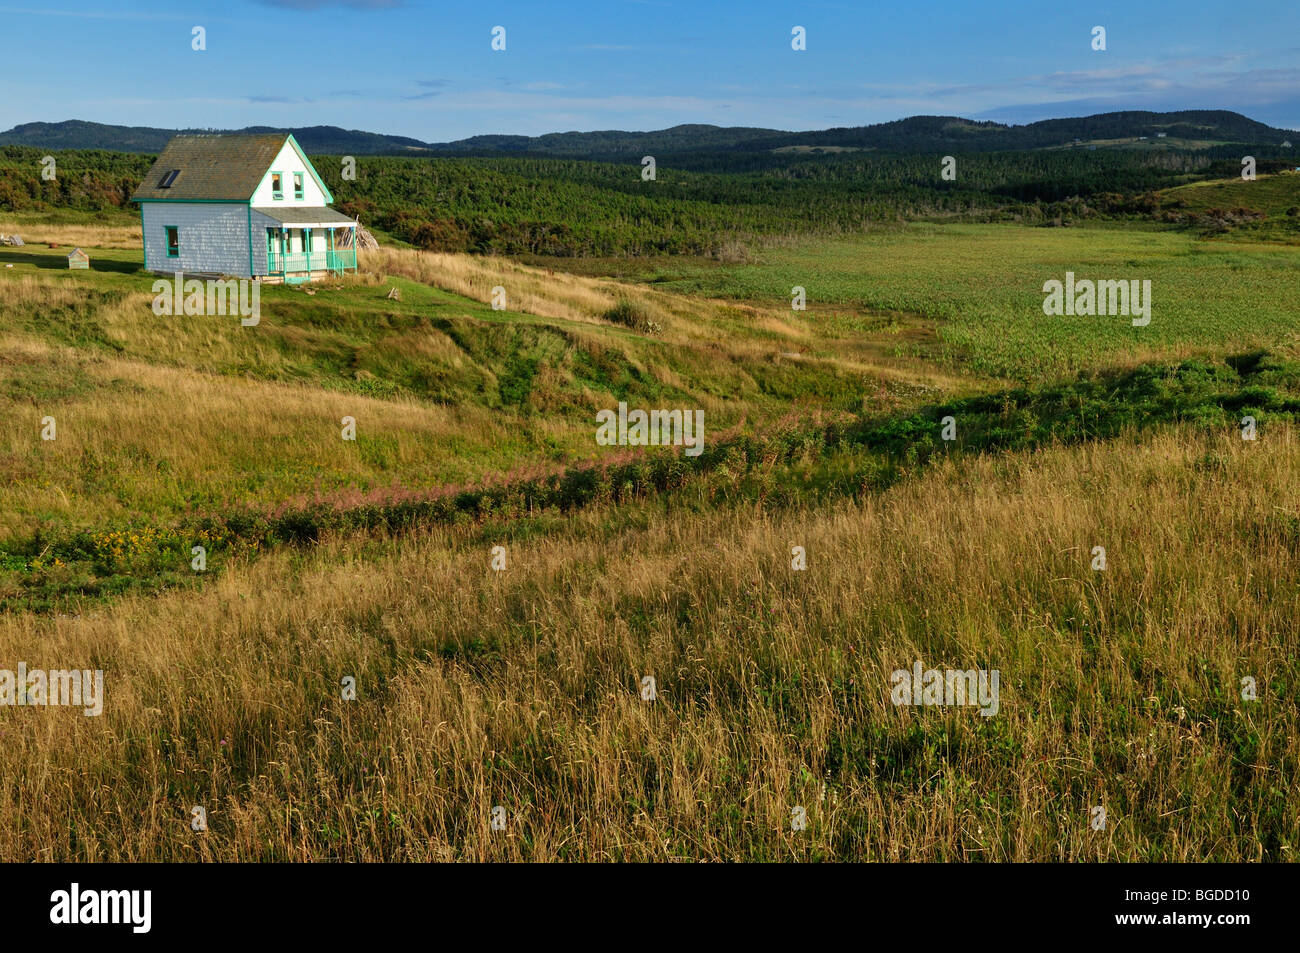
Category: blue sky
<point>427,70</point>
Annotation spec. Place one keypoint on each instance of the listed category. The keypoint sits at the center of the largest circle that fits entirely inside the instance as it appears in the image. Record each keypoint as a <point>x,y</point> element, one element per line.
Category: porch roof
<point>305,216</point>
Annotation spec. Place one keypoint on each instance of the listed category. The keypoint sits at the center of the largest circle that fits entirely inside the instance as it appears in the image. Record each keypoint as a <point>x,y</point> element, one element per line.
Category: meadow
<point>980,288</point>
<point>520,688</point>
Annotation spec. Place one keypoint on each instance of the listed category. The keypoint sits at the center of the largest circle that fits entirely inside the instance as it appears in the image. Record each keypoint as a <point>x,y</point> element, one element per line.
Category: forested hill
<point>1187,129</point>
<point>1195,129</point>
<point>78,134</point>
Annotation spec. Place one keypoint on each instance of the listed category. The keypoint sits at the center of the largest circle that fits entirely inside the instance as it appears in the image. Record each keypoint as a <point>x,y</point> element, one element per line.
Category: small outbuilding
<point>78,259</point>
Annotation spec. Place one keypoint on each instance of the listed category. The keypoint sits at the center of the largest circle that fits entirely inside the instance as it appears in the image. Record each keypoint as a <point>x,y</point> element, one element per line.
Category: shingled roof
<point>298,215</point>
<point>212,167</point>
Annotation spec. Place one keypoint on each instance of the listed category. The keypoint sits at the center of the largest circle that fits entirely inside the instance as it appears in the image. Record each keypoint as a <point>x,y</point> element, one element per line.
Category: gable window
<point>297,186</point>
<point>173,241</point>
<point>277,185</point>
<point>168,178</point>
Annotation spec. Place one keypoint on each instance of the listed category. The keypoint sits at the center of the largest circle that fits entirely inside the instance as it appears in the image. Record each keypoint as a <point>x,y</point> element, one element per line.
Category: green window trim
<point>172,240</point>
<point>298,191</point>
<point>329,198</point>
<point>277,194</point>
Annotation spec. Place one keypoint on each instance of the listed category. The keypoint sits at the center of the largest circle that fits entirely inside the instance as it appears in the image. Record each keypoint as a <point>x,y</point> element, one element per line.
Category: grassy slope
<point>162,419</point>
<point>1276,198</point>
<point>1118,688</point>
<point>159,413</point>
<point>519,688</point>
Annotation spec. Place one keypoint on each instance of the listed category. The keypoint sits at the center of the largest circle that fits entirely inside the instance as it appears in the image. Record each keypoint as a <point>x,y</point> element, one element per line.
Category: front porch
<point>293,267</point>
<point>303,244</point>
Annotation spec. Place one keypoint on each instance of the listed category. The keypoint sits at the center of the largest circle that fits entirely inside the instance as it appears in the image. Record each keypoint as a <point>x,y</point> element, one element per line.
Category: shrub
<point>634,315</point>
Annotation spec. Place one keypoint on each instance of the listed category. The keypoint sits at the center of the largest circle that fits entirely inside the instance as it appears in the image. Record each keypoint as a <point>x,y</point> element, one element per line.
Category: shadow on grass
<point>1095,406</point>
<point>57,260</point>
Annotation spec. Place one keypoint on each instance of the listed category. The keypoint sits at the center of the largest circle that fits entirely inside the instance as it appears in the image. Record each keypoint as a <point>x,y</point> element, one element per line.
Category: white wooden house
<point>245,206</point>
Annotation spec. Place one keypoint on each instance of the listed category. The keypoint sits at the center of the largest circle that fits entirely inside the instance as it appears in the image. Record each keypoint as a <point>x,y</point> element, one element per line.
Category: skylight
<point>168,179</point>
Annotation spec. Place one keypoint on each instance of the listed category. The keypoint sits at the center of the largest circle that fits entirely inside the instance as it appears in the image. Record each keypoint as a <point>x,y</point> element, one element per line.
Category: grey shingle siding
<point>213,237</point>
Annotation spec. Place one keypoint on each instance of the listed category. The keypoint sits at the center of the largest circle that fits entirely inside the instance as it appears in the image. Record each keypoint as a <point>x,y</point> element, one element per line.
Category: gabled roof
<point>212,167</point>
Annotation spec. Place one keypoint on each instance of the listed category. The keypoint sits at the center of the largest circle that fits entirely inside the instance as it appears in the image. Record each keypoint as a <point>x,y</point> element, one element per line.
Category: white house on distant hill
<point>246,206</point>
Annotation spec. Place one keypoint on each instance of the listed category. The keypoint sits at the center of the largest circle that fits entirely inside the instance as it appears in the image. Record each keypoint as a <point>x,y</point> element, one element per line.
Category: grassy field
<point>519,689</point>
<point>476,689</point>
<point>445,388</point>
<point>981,288</point>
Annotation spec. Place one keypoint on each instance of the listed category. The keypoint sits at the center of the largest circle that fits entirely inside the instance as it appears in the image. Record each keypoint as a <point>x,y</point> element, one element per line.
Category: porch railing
<point>337,261</point>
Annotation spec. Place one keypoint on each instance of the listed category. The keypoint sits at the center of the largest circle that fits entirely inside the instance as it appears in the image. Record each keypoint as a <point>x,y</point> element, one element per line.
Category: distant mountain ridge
<point>916,133</point>
<point>79,134</point>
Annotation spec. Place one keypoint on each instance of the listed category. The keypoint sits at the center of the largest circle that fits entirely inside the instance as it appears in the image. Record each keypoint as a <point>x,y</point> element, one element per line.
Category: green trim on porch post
<point>250,239</point>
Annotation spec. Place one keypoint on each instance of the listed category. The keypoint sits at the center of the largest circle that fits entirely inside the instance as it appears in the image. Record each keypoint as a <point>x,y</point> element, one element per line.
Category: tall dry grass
<point>135,438</point>
<point>34,293</point>
<point>85,236</point>
<point>557,294</point>
<point>734,331</point>
<point>520,688</point>
<point>531,290</point>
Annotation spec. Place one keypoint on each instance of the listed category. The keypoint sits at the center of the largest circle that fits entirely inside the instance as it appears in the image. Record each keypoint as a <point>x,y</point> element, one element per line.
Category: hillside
<point>951,133</point>
<point>1265,208</point>
<point>521,688</point>
<point>569,208</point>
<point>451,392</point>
<point>77,134</point>
<point>1189,128</point>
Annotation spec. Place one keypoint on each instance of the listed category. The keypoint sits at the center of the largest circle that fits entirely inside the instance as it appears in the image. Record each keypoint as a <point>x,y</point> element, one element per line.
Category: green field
<point>980,287</point>
<point>166,421</point>
<point>520,688</point>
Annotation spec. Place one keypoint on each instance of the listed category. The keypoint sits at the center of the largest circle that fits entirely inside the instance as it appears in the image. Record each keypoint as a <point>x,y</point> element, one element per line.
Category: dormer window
<point>277,186</point>
<point>168,178</point>
<point>297,186</point>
